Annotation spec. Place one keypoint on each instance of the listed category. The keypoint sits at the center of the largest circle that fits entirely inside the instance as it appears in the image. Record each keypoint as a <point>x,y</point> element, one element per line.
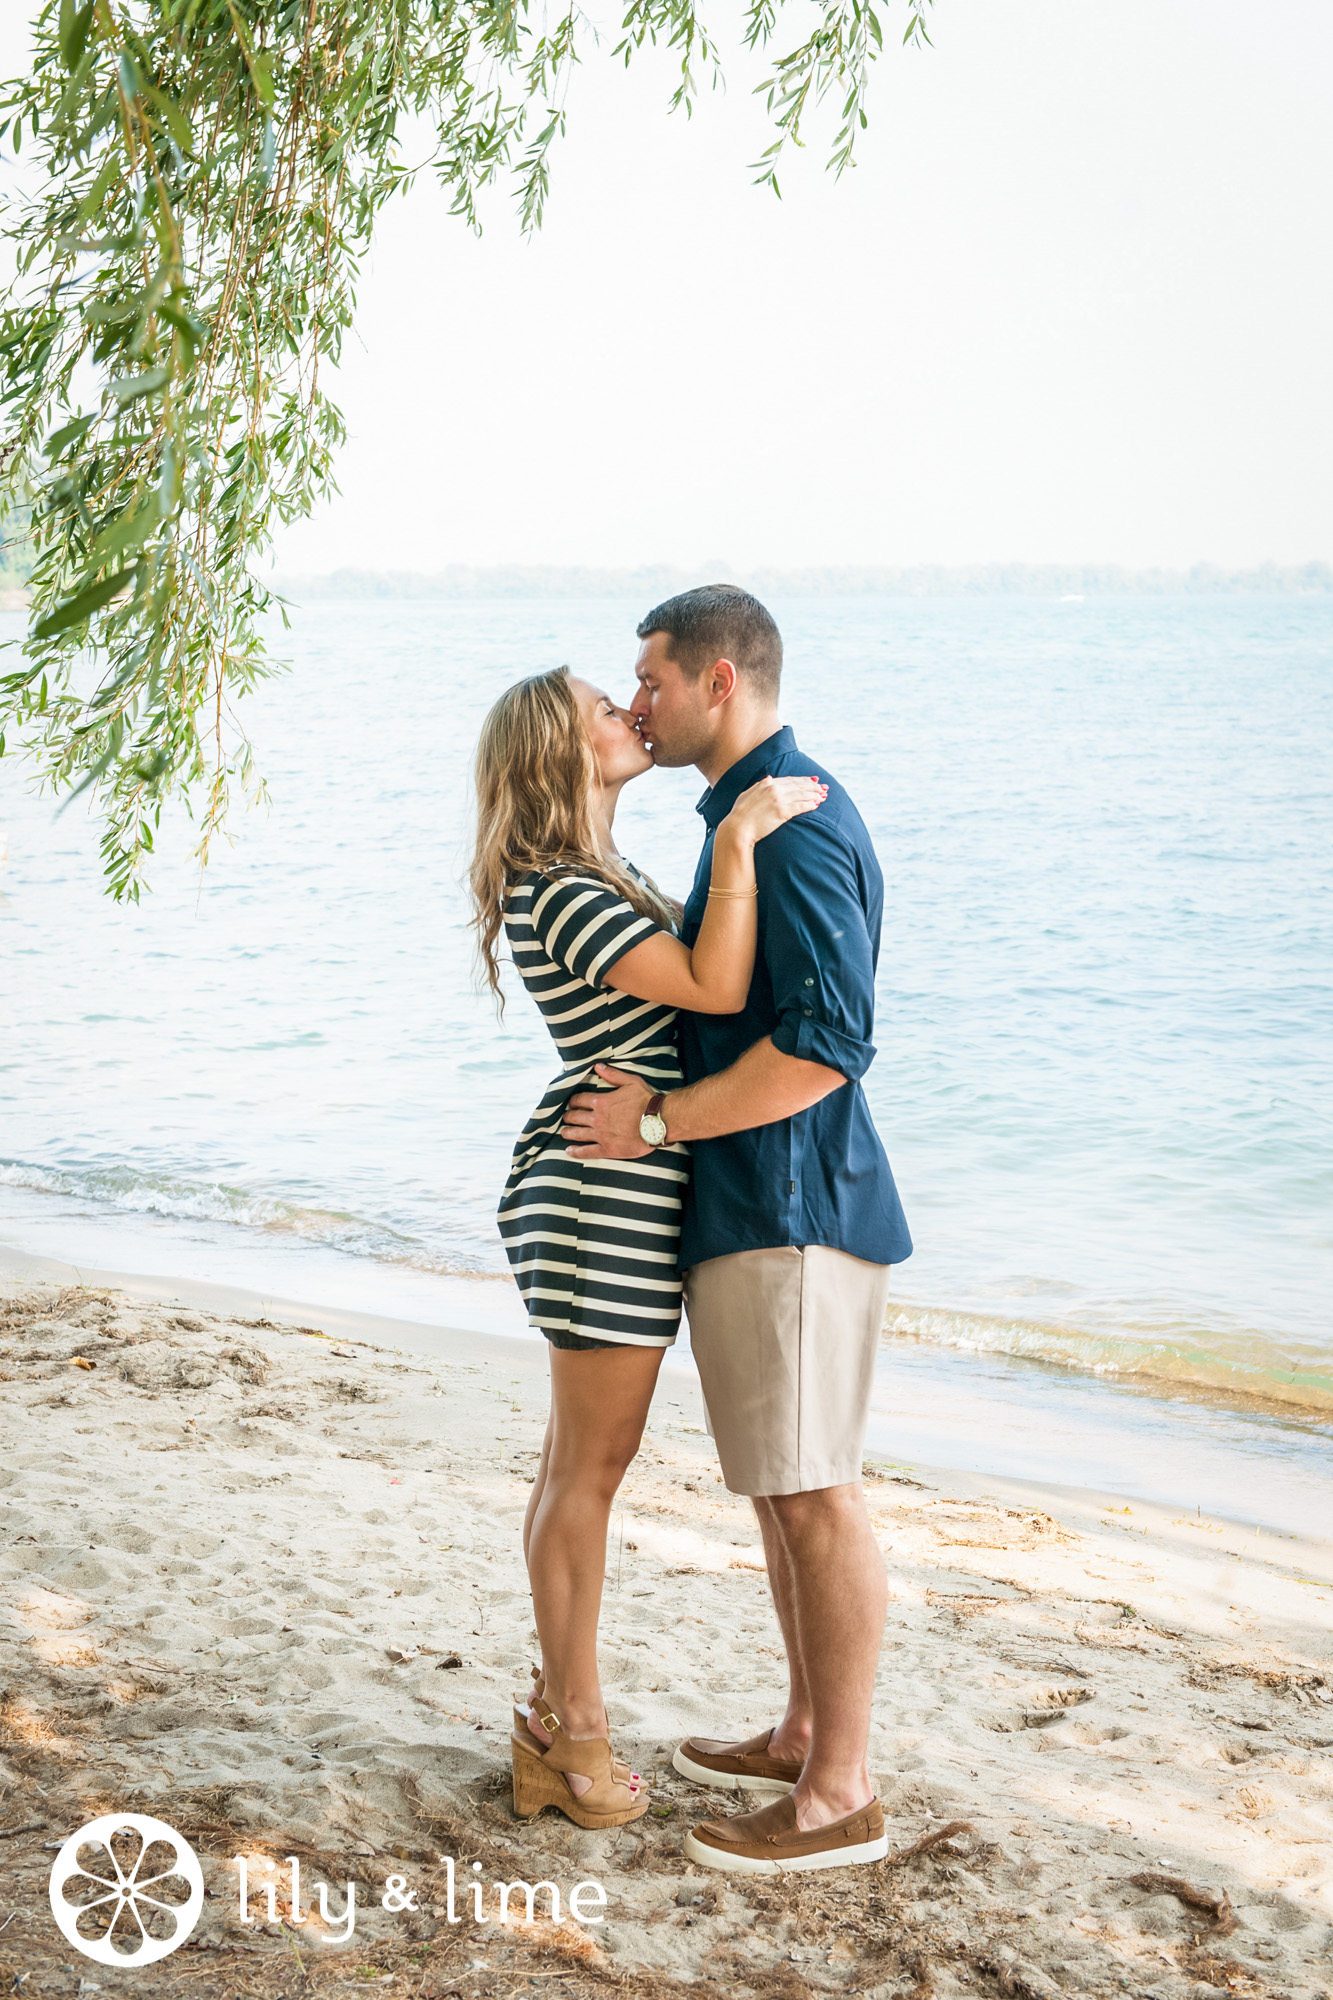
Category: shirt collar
<point>718,800</point>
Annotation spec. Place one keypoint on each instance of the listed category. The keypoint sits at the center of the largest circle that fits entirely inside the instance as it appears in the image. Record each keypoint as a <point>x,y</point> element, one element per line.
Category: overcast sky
<point>1076,303</point>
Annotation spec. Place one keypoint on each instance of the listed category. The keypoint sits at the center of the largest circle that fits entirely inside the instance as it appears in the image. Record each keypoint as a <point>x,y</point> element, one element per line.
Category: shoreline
<point>243,1548</point>
<point>1133,1355</point>
<point>1200,1376</point>
<point>1022,1419</point>
<point>462,1346</point>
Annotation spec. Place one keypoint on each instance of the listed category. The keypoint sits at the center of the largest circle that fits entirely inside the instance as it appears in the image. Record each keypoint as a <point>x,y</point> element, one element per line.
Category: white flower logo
<point>126,1889</point>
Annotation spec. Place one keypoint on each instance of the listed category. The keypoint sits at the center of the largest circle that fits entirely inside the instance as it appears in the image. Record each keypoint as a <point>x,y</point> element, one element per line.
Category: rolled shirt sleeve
<point>817,946</point>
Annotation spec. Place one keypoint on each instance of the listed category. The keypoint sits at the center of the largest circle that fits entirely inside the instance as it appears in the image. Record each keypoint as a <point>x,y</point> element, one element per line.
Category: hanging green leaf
<point>68,434</point>
<point>129,532</point>
<point>131,387</point>
<point>74,25</point>
<point>261,75</point>
<point>75,610</point>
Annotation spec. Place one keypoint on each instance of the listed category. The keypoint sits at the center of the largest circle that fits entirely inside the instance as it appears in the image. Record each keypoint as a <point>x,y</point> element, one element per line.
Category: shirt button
<point>808,1012</point>
<point>809,982</point>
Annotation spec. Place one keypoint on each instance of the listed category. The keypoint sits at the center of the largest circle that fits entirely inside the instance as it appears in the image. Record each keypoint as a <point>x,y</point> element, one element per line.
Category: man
<point>790,1226</point>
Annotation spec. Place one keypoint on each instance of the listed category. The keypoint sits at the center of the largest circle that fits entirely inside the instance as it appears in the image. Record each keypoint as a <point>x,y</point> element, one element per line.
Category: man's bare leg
<point>840,1595</point>
<point>791,1739</point>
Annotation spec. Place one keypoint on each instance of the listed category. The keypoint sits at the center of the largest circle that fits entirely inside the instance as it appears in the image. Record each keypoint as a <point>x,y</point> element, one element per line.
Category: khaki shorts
<point>785,1344</point>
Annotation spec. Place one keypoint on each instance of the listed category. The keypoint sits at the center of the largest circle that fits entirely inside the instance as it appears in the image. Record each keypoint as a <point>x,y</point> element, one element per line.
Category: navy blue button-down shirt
<point>821,1177</point>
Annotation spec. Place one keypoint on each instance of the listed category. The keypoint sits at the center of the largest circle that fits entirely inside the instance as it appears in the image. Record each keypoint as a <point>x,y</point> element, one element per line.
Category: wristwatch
<point>652,1125</point>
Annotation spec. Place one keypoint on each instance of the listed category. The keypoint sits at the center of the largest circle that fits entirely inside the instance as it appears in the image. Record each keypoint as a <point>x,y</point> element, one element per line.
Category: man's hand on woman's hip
<point>760,1087</point>
<point>604,1124</point>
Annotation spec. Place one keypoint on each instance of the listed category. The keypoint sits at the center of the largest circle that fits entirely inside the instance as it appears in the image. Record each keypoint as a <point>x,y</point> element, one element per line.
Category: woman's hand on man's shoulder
<point>769,804</point>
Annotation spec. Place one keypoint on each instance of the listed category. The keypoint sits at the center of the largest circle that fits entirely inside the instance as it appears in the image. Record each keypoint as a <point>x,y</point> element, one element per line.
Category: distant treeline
<point>653,582</point>
<point>649,584</point>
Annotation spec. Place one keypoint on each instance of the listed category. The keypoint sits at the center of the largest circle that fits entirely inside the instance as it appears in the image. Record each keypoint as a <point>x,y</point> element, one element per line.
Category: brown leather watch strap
<point>654,1109</point>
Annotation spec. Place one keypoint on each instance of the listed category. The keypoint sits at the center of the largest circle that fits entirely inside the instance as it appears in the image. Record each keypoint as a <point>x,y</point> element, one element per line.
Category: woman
<point>593,1243</point>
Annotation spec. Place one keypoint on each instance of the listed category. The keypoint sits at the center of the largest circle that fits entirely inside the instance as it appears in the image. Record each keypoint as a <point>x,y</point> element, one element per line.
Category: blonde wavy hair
<point>534,777</point>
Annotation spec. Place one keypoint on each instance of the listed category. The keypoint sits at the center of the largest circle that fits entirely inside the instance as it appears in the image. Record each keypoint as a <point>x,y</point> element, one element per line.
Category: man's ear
<point>723,683</point>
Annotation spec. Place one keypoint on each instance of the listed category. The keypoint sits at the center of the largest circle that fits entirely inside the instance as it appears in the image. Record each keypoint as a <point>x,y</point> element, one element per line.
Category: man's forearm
<point>761,1087</point>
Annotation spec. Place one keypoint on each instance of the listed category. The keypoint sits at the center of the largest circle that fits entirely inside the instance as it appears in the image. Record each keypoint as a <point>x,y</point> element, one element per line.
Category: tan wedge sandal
<point>541,1777</point>
<point>621,1770</point>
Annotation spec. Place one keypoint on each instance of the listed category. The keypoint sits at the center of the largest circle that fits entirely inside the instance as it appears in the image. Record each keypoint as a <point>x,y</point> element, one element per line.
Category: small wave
<point>174,1196</point>
<point>1264,1372</point>
<point>1256,1368</point>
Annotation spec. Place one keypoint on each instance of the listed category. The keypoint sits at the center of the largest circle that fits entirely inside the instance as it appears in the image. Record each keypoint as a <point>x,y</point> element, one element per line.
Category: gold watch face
<point>652,1129</point>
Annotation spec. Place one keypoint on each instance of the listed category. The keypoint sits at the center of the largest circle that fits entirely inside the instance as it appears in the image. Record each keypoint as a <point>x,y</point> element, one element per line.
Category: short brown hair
<point>720,621</point>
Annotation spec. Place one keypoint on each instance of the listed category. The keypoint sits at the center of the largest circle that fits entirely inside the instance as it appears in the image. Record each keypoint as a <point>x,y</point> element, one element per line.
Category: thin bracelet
<point>739,893</point>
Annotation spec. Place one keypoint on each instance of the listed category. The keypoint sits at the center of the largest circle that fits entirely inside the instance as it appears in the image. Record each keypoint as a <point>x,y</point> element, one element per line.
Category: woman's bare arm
<point>714,976</point>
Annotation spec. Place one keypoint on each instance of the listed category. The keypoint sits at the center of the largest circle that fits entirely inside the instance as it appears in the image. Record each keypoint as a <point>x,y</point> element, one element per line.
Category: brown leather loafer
<point>769,1842</point>
<point>735,1767</point>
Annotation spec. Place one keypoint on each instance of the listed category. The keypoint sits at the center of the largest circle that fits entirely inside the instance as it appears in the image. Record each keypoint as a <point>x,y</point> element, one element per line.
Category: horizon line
<point>663,579</point>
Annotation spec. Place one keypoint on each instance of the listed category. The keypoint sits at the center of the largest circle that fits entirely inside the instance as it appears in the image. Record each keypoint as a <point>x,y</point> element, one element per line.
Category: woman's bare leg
<point>599,1403</point>
<point>538,1485</point>
<point>530,1514</point>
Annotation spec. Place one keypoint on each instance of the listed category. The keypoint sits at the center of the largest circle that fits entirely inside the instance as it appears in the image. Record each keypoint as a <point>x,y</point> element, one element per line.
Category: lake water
<point>1105,1007</point>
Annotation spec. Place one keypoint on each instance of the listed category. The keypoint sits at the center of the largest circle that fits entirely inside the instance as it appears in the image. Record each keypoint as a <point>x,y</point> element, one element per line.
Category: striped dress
<point>592,1243</point>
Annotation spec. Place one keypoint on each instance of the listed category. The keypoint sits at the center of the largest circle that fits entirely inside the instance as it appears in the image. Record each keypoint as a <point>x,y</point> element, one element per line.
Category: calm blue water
<point>1105,1012</point>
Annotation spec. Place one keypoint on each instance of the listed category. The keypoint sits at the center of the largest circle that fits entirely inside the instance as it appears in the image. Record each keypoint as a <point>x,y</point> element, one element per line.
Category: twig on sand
<point>928,1841</point>
<point>1215,1902</point>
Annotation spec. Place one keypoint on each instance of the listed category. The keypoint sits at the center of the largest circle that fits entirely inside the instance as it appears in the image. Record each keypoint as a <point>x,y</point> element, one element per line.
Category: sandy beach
<point>262,1580</point>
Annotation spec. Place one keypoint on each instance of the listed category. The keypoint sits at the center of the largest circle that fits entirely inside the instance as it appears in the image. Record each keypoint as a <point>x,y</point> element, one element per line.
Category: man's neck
<point>745,732</point>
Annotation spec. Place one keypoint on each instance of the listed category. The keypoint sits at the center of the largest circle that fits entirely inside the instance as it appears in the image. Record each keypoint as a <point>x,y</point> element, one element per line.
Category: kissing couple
<point>707,1137</point>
